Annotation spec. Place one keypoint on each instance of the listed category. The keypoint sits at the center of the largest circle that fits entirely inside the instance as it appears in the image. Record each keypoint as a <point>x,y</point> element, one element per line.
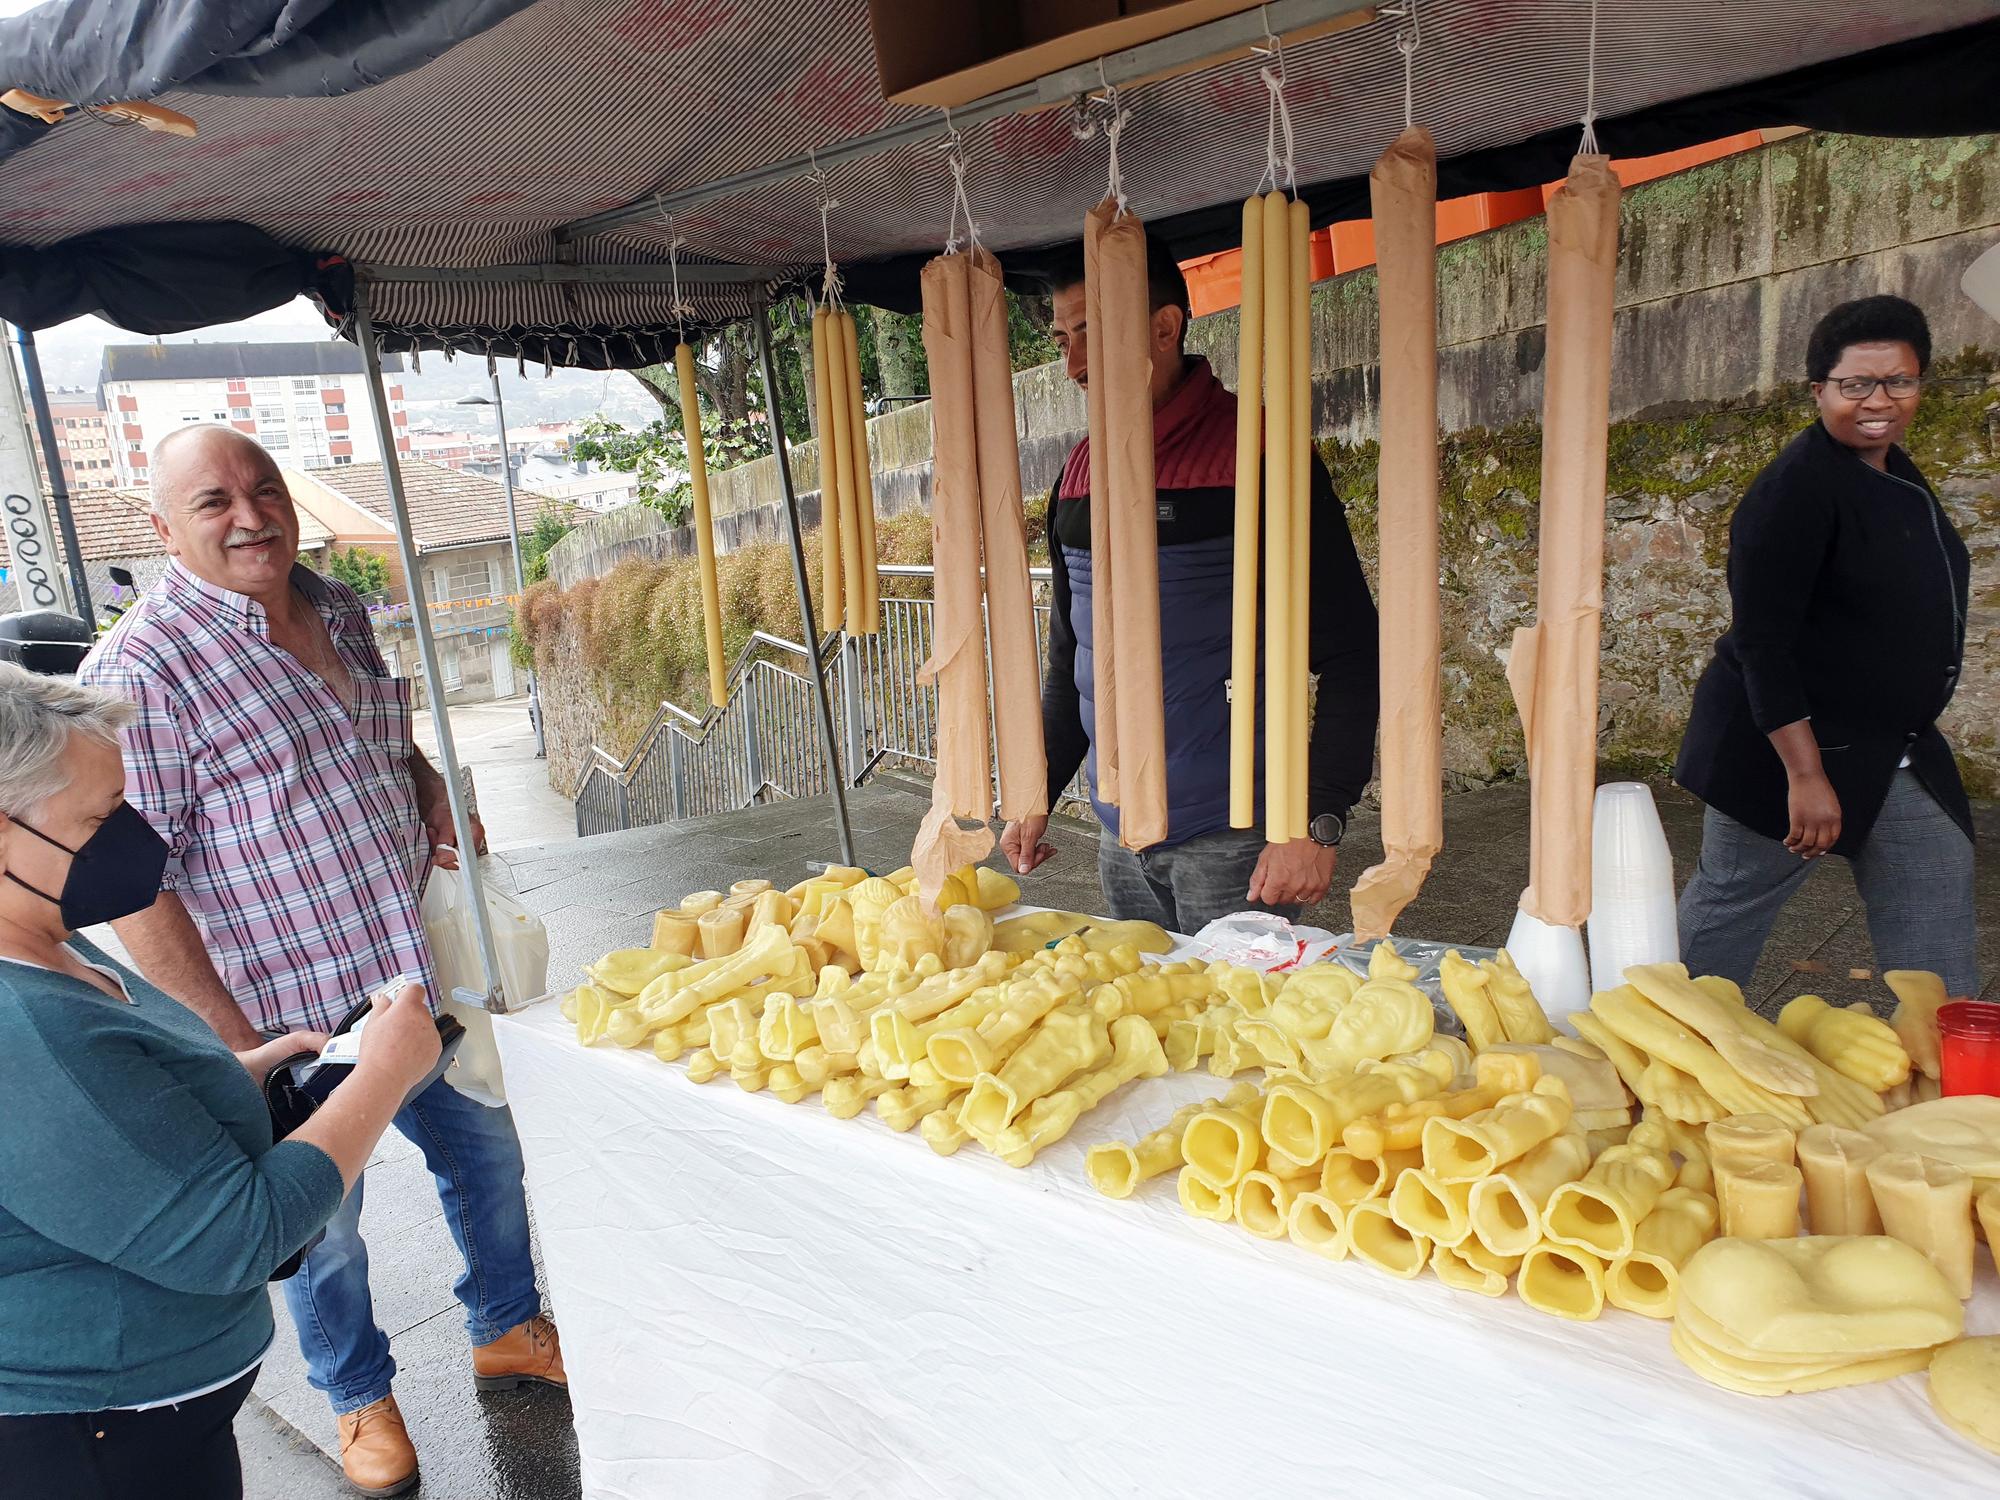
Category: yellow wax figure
<point>1203,868</point>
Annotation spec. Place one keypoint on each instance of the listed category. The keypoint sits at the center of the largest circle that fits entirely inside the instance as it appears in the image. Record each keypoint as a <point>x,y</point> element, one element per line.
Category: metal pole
<point>406,549</point>
<point>514,535</point>
<point>762,319</point>
<point>45,429</point>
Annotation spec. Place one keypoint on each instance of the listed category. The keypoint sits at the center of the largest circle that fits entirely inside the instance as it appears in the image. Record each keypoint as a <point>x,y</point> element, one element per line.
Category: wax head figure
<point>1203,868</point>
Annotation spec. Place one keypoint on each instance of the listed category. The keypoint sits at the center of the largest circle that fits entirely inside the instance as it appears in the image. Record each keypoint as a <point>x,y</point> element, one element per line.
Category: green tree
<point>364,572</point>
<point>550,528</point>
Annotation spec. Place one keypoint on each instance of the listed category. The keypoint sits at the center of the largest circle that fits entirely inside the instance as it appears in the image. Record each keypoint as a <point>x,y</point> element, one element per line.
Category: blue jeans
<point>1186,886</point>
<point>475,1156</point>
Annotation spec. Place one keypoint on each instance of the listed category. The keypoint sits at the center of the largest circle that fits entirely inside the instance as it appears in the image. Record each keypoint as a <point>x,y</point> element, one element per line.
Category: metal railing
<point>766,744</point>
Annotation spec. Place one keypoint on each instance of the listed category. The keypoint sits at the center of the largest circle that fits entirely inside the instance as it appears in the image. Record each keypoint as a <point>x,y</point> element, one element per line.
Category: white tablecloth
<point>759,1300</point>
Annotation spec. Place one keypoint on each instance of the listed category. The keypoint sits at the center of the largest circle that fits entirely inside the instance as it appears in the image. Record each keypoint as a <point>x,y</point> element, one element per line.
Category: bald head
<point>222,510</point>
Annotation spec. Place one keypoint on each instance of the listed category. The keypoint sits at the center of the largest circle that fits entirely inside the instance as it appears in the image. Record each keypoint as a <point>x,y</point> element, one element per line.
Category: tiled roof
<point>448,508</point>
<point>235,361</point>
<point>113,525</point>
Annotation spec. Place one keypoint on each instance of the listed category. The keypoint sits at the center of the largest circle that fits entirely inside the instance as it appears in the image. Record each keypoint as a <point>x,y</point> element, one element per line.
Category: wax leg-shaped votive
<point>1318,1224</point>
<point>1264,1201</point>
<point>1375,1236</point>
<point>1203,1201</point>
<point>1835,1164</point>
<point>1648,1280</point>
<point>1067,1042</point>
<point>1927,1204</point>
<point>1347,1179</point>
<point>1562,1280</point>
<point>1601,1211</point>
<point>846,1096</point>
<point>1221,1144</point>
<point>1460,1274</point>
<point>1759,1199</point>
<point>703,1065</point>
<point>1505,1209</point>
<point>1439,1211</point>
<point>1486,1141</point>
<point>1301,1122</point>
<point>901,1109</point>
<point>1755,1137</point>
<point>1115,1169</point>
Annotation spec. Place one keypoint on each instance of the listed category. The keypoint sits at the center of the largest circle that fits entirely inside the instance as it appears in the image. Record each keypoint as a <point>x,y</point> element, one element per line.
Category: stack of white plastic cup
<point>1632,919</point>
<point>1551,960</point>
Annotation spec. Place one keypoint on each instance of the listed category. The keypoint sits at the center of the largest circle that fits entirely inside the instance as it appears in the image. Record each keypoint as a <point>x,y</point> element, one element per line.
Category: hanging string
<point>1588,146</point>
<point>961,204</point>
<point>829,290</point>
<point>1280,167</point>
<point>1409,36</point>
<point>1116,118</point>
<point>678,307</point>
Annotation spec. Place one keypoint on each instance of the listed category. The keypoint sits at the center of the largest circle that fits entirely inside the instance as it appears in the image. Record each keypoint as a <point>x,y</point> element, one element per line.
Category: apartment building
<point>307,402</point>
<point>83,440</point>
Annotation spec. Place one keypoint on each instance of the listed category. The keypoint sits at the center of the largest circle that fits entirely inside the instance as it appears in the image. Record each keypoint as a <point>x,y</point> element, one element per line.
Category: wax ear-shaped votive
<point>1759,1199</point>
<point>1835,1164</point>
<point>1318,1224</point>
<point>1348,1179</point>
<point>1648,1280</point>
<point>1435,1210</point>
<point>1203,1201</point>
<point>1375,1236</point>
<point>1461,1275</point>
<point>1505,1209</point>
<point>1264,1201</point>
<point>1753,1137</point>
<point>1927,1204</point>
<point>1455,1150</point>
<point>1562,1280</point>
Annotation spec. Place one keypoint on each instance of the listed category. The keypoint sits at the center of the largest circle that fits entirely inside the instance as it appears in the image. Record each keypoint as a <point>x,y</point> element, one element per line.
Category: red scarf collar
<point>1194,439</point>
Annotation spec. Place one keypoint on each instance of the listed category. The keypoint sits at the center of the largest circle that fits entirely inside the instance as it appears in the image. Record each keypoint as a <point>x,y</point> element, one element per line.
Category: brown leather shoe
<point>375,1451</point>
<point>528,1352</point>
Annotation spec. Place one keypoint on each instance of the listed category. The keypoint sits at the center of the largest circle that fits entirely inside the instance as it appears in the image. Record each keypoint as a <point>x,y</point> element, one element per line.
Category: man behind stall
<point>1203,869</point>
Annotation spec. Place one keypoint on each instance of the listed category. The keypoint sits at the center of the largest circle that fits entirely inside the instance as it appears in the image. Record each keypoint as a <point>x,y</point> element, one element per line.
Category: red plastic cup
<point>1969,1047</point>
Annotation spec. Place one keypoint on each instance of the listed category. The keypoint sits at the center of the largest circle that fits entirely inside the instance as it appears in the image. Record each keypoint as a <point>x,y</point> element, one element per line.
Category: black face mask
<point>112,874</point>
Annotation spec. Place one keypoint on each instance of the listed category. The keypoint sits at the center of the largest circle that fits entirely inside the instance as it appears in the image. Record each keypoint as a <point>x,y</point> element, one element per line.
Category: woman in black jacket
<point>1815,727</point>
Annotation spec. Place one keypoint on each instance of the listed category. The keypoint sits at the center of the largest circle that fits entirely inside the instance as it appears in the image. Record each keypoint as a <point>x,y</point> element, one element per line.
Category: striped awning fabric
<point>568,108</point>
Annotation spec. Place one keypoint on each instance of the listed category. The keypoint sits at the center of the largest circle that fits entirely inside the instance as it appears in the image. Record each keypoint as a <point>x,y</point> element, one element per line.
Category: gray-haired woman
<point>143,1203</point>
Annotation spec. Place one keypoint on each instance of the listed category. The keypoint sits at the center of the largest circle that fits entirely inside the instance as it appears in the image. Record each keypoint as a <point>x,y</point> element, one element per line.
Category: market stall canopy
<point>600,132</point>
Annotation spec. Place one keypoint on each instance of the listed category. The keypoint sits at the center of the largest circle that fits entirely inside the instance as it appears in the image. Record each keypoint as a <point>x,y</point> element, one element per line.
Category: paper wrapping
<point>1103,627</point>
<point>1121,364</point>
<point>943,847</point>
<point>704,528</point>
<point>1010,604</point>
<point>1243,586</point>
<point>958,658</point>
<point>832,582</point>
<point>1403,190</point>
<point>866,619</point>
<point>1277,520</point>
<point>1298,261</point>
<point>1553,670</point>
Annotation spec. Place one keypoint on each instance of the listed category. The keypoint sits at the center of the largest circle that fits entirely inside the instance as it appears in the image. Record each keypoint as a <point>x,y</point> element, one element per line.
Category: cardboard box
<point>990,45</point>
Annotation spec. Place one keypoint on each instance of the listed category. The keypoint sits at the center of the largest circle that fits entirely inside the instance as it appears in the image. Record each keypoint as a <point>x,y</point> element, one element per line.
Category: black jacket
<point>1849,590</point>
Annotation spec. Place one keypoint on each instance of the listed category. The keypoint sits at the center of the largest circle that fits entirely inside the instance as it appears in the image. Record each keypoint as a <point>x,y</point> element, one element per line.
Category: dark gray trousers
<point>1186,886</point>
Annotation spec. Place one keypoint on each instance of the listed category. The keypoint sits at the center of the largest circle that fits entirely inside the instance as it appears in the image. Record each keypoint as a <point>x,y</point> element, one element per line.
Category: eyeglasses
<point>1861,387</point>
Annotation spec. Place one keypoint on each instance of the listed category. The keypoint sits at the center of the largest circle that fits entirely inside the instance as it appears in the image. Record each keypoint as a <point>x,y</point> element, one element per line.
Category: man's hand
<point>434,807</point>
<point>1293,874</point>
<point>1815,816</point>
<point>259,1061</point>
<point>1022,842</point>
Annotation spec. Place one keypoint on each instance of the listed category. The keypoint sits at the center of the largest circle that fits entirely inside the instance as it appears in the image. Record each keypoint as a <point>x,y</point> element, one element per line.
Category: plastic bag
<point>1259,940</point>
<point>521,944</point>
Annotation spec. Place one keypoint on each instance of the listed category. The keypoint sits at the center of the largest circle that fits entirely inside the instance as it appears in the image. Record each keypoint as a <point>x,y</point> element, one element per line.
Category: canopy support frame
<point>496,999</point>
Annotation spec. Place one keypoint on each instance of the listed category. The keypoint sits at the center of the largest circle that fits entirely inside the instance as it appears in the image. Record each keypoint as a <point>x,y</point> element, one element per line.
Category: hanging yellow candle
<point>1249,442</point>
<point>704,528</point>
<point>1277,522</point>
<point>866,619</point>
<point>832,583</point>
<point>1299,345</point>
<point>843,471</point>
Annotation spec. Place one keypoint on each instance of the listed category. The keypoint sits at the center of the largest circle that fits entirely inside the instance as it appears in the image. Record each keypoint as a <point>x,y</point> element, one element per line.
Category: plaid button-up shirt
<point>293,834</point>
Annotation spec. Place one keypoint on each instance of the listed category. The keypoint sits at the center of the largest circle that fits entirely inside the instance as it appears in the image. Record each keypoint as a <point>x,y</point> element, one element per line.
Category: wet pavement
<point>600,893</point>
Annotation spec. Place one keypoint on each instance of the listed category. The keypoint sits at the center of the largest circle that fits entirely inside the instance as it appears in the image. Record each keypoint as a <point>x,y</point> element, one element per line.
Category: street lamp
<point>514,536</point>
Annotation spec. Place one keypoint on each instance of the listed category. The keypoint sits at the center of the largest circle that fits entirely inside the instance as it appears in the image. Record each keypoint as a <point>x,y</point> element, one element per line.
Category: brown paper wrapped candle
<point>1010,606</point>
<point>1553,671</point>
<point>1122,452</point>
<point>958,657</point>
<point>1403,189</point>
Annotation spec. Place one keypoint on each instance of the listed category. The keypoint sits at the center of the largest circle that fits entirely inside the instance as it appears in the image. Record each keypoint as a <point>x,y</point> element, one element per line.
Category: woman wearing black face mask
<point>143,1203</point>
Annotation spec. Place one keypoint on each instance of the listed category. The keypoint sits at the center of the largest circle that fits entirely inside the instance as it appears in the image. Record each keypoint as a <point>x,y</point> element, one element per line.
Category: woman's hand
<point>400,1043</point>
<point>259,1061</point>
<point>1815,814</point>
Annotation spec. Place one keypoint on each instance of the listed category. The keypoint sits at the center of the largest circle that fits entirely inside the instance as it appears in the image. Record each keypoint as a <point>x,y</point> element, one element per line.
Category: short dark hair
<point>1867,320</point>
<point>1166,285</point>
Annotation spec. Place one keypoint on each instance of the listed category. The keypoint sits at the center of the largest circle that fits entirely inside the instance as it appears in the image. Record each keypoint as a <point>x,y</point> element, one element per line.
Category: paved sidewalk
<point>516,802</point>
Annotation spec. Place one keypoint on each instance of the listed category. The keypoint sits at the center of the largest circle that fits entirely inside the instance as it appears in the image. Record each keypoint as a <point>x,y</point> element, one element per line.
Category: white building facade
<point>306,403</point>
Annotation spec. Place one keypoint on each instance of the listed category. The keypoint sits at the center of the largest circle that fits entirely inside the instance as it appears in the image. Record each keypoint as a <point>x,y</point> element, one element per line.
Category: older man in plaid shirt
<point>273,752</point>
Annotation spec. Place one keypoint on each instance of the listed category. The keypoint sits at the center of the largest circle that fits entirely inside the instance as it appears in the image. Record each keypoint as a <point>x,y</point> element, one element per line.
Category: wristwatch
<point>1327,829</point>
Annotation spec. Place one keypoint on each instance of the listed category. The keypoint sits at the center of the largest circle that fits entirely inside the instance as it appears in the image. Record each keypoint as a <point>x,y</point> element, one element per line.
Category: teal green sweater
<point>142,1203</point>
